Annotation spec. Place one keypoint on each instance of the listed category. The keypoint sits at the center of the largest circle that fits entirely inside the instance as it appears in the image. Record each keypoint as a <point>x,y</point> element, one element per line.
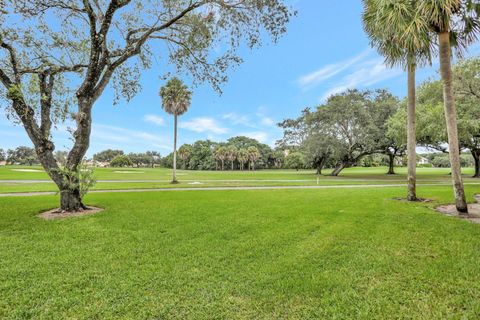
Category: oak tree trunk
<point>391,164</point>
<point>338,168</point>
<point>476,158</point>
<point>451,120</point>
<point>319,170</point>
<point>411,135</point>
<point>70,200</point>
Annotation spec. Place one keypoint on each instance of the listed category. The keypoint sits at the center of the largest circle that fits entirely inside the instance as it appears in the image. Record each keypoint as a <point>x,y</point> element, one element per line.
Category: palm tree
<point>456,23</point>
<point>253,156</point>
<point>242,157</point>
<point>184,152</point>
<point>402,36</point>
<point>221,155</point>
<point>176,99</point>
<point>232,152</point>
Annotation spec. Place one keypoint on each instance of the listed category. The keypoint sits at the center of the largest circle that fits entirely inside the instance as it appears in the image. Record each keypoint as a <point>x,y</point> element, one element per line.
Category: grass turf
<point>145,178</point>
<point>241,254</point>
<point>11,173</point>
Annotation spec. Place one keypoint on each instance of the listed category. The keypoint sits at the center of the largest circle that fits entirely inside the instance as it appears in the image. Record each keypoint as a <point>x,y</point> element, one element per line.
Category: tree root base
<point>61,214</point>
<point>473,211</point>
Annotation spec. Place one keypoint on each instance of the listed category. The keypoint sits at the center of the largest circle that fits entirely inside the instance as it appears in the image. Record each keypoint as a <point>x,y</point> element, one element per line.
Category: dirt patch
<point>58,214</point>
<point>451,210</point>
<point>418,200</point>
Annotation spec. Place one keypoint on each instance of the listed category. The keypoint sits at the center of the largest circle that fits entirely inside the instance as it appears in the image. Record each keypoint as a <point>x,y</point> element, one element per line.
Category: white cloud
<point>152,118</point>
<point>257,135</point>
<point>314,78</point>
<point>208,125</point>
<point>266,121</point>
<point>238,119</point>
<point>368,73</point>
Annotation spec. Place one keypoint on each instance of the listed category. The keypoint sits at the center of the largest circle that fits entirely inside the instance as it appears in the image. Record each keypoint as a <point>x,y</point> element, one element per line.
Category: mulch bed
<point>59,214</point>
<point>473,211</point>
<point>418,200</point>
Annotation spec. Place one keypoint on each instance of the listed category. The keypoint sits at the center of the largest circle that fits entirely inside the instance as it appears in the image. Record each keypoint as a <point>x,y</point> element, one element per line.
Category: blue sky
<point>325,51</point>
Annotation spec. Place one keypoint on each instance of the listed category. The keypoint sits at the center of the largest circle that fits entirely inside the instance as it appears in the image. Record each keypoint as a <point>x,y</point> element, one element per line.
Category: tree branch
<point>46,83</point>
<point>13,60</point>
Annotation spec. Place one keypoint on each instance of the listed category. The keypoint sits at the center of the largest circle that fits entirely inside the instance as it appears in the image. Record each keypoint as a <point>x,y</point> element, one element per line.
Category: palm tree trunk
<point>411,135</point>
<point>451,119</point>
<point>232,165</point>
<point>174,179</point>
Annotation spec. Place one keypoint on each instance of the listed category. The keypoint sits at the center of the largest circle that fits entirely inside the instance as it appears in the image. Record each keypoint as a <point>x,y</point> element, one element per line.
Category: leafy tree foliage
<point>147,159</point>
<point>349,126</point>
<point>121,161</point>
<point>431,129</point>
<point>57,57</point>
<point>22,155</point>
<point>295,160</point>
<point>107,155</point>
<point>3,155</point>
<point>209,155</point>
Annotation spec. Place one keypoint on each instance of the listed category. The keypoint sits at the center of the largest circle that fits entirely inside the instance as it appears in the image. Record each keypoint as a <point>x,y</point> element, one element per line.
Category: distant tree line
<point>237,153</point>
<point>117,158</point>
<point>355,125</point>
<point>21,155</point>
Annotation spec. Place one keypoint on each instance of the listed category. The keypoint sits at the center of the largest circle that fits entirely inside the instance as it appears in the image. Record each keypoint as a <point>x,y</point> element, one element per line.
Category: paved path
<point>27,194</point>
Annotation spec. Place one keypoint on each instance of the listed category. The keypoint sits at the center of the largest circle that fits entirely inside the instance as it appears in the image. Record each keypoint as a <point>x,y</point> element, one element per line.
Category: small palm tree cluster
<point>232,154</point>
<point>185,152</point>
<point>176,99</point>
<point>410,33</point>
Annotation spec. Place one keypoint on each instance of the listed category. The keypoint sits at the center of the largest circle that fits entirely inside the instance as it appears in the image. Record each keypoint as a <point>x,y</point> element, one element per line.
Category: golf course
<point>288,253</point>
<point>239,159</point>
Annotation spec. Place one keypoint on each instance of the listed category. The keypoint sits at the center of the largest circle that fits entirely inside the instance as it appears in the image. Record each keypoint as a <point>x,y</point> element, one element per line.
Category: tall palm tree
<point>176,99</point>
<point>253,156</point>
<point>232,152</point>
<point>456,23</point>
<point>242,157</point>
<point>398,31</point>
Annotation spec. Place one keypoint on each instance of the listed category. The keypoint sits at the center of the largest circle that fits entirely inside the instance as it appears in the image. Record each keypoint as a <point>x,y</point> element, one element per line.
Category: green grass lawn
<point>270,254</point>
<point>147,178</point>
<point>12,173</point>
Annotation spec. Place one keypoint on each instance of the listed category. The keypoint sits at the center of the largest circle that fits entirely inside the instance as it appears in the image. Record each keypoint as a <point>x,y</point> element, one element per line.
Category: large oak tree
<point>58,56</point>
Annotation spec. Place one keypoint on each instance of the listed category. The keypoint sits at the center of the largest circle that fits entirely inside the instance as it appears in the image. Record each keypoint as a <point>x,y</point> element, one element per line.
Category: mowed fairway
<point>33,179</point>
<point>270,254</point>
